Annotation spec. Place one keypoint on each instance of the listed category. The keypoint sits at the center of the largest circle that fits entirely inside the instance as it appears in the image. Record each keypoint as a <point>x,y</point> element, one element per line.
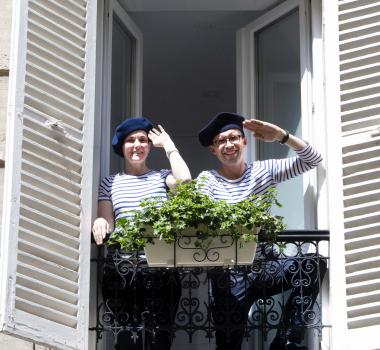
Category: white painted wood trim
<point>268,17</point>
<point>247,99</point>
<point>12,175</point>
<point>310,182</point>
<point>319,119</point>
<point>137,59</point>
<point>243,82</point>
<point>88,178</point>
<point>333,159</point>
<point>113,7</point>
<point>106,66</point>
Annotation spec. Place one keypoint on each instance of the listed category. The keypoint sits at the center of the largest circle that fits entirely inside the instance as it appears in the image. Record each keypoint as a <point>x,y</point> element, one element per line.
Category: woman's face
<point>136,147</point>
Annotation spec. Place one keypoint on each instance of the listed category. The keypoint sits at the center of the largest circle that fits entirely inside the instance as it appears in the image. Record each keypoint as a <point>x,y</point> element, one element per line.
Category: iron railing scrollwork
<point>140,303</point>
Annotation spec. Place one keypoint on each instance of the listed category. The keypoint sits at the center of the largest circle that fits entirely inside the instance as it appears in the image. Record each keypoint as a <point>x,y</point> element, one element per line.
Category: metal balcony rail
<point>279,293</point>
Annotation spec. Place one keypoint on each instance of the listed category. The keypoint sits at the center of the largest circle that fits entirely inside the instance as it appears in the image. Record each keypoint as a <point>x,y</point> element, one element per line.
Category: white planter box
<point>221,251</point>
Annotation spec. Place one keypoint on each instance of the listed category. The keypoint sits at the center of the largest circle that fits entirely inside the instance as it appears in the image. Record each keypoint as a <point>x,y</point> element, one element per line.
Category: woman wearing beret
<point>129,297</point>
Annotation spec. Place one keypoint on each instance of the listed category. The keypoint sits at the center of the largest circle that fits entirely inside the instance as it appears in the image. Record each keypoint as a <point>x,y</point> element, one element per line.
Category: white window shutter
<point>45,248</point>
<point>359,28</point>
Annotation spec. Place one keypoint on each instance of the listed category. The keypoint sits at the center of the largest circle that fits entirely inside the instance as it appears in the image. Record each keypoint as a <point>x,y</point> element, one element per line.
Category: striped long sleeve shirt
<point>258,176</point>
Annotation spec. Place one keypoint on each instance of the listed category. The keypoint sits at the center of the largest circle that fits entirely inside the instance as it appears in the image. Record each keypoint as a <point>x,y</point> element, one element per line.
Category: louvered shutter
<point>48,204</point>
<point>359,56</point>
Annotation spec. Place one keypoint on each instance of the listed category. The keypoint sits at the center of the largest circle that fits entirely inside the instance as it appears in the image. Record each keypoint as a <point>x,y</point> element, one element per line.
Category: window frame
<point>312,106</point>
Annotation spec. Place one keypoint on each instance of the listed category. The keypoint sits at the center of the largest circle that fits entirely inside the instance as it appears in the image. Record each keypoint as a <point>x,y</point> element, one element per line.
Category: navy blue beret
<point>219,123</point>
<point>125,128</point>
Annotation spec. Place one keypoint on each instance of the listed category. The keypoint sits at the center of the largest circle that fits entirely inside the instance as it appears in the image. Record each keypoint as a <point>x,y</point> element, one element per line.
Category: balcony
<point>190,320</point>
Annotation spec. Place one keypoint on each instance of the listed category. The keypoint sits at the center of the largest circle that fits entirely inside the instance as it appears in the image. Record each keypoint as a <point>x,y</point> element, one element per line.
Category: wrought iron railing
<point>281,295</point>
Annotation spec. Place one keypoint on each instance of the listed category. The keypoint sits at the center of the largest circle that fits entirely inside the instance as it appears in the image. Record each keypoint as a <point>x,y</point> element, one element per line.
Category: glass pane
<point>279,102</point>
<point>121,83</point>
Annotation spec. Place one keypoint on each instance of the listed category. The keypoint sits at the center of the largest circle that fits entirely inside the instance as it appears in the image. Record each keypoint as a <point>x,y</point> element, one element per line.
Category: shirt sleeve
<point>284,169</point>
<point>104,190</point>
<point>164,173</point>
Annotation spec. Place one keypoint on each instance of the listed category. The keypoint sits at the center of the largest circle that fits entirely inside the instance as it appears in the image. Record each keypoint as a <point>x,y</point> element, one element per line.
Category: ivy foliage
<point>187,207</point>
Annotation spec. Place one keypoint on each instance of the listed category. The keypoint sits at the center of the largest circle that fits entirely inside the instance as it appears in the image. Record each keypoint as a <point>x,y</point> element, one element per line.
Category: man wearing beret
<point>234,293</point>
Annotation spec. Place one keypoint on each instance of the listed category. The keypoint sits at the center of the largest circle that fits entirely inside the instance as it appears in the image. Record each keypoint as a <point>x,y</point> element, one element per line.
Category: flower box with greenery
<point>189,228</point>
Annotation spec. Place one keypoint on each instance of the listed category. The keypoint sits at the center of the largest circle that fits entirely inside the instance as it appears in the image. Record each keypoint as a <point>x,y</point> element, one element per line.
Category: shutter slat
<point>45,313</point>
<point>36,262</point>
<point>49,210</point>
<point>54,27</point>
<point>68,13</point>
<point>53,167</point>
<point>43,241</point>
<point>363,21</point>
<point>50,101</point>
<point>360,322</point>
<point>360,278</point>
<point>362,253</point>
<point>67,155</point>
<point>49,187</point>
<point>51,42</point>
<point>51,233</point>
<point>50,67</point>
<point>367,310</point>
<point>350,5</point>
<point>41,253</point>
<point>46,301</point>
<point>49,221</point>
<point>359,242</point>
<point>47,277</point>
<point>364,220</point>
<point>364,265</point>
<point>364,297</point>
<point>46,288</point>
<point>57,18</point>
<point>55,80</point>
<point>51,178</point>
<point>58,93</point>
<point>362,231</point>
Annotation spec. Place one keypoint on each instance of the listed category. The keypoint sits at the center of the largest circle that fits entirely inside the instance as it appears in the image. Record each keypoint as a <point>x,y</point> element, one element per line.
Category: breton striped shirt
<point>258,176</point>
<point>126,191</point>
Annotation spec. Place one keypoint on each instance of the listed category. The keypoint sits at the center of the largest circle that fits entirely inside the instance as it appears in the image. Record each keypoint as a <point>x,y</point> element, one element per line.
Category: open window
<point>274,84</point>
<point>122,78</point>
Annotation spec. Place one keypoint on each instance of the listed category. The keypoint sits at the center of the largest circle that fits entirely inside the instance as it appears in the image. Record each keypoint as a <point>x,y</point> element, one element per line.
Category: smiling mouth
<point>230,152</point>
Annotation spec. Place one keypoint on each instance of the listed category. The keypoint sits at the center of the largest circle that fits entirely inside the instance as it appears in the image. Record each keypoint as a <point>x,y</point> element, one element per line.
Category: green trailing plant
<point>187,207</point>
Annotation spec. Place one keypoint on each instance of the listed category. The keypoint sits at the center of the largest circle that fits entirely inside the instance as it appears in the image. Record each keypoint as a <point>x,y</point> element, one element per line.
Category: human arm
<point>104,224</point>
<point>284,169</point>
<point>179,169</point>
<point>269,132</point>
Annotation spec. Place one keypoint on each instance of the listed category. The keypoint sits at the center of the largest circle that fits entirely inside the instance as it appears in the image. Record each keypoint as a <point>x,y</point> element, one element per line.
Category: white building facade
<point>59,104</point>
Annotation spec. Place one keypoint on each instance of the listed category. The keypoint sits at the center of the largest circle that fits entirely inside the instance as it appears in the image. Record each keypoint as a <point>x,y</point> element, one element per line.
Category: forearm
<point>293,142</point>
<point>179,168</point>
<point>104,224</point>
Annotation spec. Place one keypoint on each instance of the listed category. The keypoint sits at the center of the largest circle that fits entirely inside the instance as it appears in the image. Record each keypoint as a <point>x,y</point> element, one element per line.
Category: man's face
<point>228,146</point>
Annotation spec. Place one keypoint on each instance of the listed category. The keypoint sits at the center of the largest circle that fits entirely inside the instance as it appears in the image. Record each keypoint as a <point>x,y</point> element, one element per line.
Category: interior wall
<point>189,75</point>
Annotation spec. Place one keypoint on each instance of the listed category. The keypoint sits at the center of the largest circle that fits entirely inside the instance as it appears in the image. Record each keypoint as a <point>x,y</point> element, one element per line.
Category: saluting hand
<point>264,131</point>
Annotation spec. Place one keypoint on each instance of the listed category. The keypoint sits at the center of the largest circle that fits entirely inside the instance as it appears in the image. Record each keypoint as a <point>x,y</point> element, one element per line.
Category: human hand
<point>264,131</point>
<point>159,138</point>
<point>100,230</point>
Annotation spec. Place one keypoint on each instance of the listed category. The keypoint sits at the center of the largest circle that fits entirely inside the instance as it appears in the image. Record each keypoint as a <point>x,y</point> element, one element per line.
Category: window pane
<point>121,84</point>
<point>279,102</point>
